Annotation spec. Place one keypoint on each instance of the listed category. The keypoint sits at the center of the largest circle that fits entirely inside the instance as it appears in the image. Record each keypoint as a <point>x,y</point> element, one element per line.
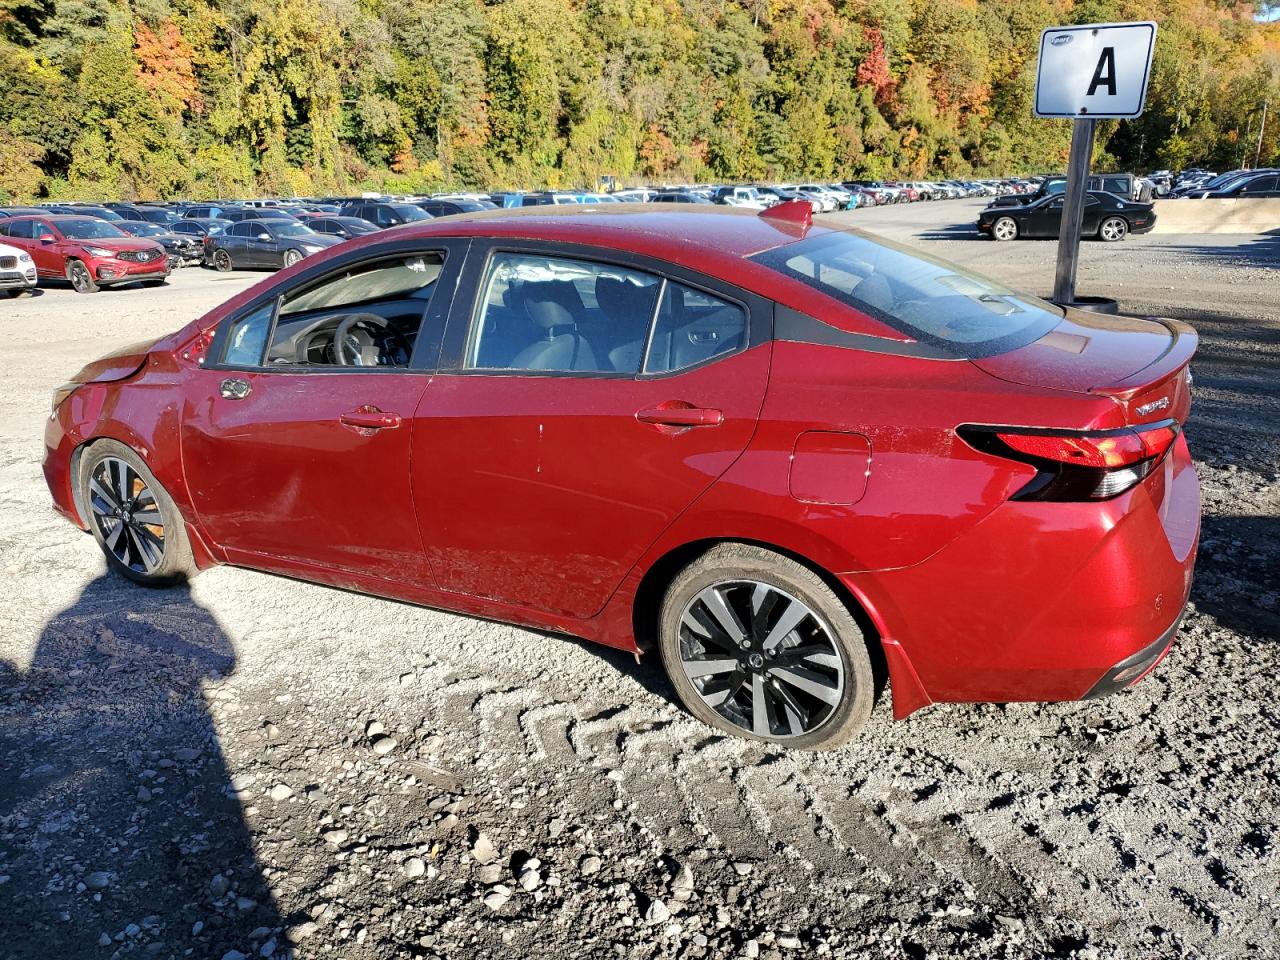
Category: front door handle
<point>369,417</point>
<point>235,388</point>
<point>679,413</point>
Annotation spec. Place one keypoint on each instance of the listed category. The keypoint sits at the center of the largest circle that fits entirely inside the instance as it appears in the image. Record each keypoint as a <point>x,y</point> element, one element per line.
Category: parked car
<point>678,196</point>
<point>182,250</point>
<point>17,271</point>
<point>207,211</point>
<point>257,213</point>
<point>748,197</point>
<point>200,228</point>
<point>1264,184</point>
<point>6,212</point>
<point>88,252</point>
<point>1105,216</point>
<point>342,227</point>
<point>265,244</point>
<point>698,399</point>
<point>384,215</point>
<point>448,208</point>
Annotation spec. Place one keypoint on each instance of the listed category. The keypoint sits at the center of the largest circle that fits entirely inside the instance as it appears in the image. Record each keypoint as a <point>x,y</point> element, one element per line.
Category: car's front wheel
<point>759,646</point>
<point>291,257</point>
<point>131,516</point>
<point>80,278</point>
<point>222,261</point>
<point>1006,228</point>
<point>1113,229</point>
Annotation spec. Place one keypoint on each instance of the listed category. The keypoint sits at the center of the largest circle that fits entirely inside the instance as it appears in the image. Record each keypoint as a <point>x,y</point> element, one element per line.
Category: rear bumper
<point>1045,601</point>
<point>1132,669</point>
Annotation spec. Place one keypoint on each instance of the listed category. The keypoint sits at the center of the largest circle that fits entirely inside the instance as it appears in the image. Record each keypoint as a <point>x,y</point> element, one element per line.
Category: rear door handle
<point>369,417</point>
<point>235,388</point>
<point>678,413</point>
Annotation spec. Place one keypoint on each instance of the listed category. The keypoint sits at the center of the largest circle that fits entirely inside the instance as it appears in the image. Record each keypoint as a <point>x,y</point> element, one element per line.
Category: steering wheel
<point>356,341</point>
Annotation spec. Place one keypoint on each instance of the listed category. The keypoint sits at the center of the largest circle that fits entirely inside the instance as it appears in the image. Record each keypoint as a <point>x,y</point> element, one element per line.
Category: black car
<point>267,244</point>
<point>1106,217</point>
<point>447,208</point>
<point>191,227</point>
<point>24,211</point>
<point>257,213</point>
<point>182,249</point>
<point>384,214</point>
<point>342,227</point>
<point>207,211</point>
<point>1265,184</point>
<point>680,196</point>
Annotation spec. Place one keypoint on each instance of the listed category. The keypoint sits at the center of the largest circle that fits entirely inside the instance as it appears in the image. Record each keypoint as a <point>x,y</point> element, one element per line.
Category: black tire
<point>80,278</point>
<point>222,261</point>
<point>739,570</point>
<point>148,553</point>
<point>20,292</point>
<point>1004,229</point>
<point>1113,229</point>
<point>290,257</point>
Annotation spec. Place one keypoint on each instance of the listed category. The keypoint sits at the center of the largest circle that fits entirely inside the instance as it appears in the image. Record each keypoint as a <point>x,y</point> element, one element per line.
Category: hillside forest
<point>122,99</point>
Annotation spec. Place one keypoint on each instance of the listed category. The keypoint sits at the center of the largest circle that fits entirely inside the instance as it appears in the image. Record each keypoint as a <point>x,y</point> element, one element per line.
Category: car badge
<point>1153,406</point>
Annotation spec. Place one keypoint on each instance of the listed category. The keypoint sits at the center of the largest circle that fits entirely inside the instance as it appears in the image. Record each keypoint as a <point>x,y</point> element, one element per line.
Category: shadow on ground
<point>120,831</point>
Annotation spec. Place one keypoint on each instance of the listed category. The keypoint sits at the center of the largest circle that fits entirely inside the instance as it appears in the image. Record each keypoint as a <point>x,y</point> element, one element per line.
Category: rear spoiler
<point>1183,341</point>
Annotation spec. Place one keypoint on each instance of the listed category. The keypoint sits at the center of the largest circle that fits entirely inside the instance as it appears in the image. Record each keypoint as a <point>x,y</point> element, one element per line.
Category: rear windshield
<point>930,300</point>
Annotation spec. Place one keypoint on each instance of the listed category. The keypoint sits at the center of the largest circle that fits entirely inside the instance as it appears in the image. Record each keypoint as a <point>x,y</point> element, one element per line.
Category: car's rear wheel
<point>1005,228</point>
<point>133,519</point>
<point>222,261</point>
<point>759,646</point>
<point>80,278</point>
<point>1113,229</point>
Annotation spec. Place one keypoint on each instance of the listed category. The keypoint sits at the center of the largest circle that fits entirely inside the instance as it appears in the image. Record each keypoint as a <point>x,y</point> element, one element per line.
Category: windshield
<point>87,229</point>
<point>409,212</point>
<point>931,300</point>
<point>140,229</point>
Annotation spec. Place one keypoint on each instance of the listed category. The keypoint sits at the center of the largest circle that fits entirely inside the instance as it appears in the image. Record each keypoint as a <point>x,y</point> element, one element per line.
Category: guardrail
<point>1256,215</point>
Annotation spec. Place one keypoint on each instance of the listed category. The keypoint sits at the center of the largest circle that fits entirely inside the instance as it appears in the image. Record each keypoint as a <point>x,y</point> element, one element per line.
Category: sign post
<point>1090,72</point>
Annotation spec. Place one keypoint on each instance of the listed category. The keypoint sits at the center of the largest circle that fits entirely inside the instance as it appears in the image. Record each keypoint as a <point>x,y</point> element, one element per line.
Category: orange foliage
<point>165,65</point>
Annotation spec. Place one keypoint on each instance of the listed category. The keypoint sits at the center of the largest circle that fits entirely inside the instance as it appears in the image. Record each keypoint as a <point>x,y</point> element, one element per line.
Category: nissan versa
<point>778,452</point>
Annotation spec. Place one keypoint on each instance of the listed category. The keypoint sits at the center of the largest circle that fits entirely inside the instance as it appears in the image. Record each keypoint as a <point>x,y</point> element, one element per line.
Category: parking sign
<point>1096,70</point>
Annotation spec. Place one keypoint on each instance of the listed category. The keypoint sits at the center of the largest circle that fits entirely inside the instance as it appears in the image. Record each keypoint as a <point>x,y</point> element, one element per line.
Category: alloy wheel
<point>127,515</point>
<point>291,257</point>
<point>761,658</point>
<point>222,260</point>
<point>79,277</point>
<point>1005,229</point>
<point>1113,228</point>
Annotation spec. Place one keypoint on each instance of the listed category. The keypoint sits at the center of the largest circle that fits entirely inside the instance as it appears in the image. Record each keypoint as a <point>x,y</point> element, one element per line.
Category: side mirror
<point>265,237</point>
<point>48,238</point>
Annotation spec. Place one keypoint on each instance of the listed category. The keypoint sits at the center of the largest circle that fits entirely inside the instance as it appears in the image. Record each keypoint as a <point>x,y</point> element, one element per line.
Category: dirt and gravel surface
<point>254,767</point>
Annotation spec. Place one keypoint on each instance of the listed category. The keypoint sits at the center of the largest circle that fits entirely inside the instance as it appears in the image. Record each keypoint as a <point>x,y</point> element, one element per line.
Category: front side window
<point>543,313</point>
<point>932,300</point>
<point>368,315</point>
<point>693,327</point>
<point>247,337</point>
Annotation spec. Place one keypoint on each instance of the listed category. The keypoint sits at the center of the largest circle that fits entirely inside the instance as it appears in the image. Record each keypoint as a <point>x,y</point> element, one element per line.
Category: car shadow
<point>957,231</point>
<point>123,833</point>
<point>1238,573</point>
<point>1253,250</point>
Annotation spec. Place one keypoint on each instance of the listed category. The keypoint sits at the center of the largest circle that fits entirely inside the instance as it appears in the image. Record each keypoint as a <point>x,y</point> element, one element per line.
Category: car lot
<point>271,759</point>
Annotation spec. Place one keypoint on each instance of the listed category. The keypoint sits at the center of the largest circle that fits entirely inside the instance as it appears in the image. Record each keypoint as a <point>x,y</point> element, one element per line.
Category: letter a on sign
<point>1097,70</point>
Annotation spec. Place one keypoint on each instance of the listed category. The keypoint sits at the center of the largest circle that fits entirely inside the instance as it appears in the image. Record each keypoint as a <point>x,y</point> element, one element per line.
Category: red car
<point>777,452</point>
<point>88,252</point>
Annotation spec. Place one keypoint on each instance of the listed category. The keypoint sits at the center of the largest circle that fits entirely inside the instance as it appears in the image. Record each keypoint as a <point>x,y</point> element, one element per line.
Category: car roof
<point>657,229</point>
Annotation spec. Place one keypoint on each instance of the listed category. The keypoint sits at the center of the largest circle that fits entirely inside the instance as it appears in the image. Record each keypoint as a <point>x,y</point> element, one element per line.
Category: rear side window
<point>23,229</point>
<point>692,328</point>
<point>541,313</point>
<point>932,300</point>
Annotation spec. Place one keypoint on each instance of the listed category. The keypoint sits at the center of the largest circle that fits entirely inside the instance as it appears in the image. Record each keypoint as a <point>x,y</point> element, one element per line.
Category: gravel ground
<point>254,767</point>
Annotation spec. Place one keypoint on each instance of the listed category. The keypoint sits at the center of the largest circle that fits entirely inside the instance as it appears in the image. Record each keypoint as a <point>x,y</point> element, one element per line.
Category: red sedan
<point>87,252</point>
<point>777,452</point>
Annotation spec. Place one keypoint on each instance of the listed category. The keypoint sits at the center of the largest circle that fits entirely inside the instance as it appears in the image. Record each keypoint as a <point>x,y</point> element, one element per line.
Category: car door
<point>1044,219</point>
<point>290,457</point>
<point>50,255</point>
<point>1259,187</point>
<point>548,451</point>
<point>235,242</point>
<point>260,252</point>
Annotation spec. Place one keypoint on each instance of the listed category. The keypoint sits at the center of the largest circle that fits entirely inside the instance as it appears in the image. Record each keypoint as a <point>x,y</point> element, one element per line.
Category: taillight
<point>1077,464</point>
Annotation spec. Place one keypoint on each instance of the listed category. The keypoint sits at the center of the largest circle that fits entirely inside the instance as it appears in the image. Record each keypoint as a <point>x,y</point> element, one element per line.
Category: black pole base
<point>1093,304</point>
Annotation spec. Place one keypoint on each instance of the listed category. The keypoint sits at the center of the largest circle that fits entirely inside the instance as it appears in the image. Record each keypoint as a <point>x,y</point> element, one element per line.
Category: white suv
<point>17,271</point>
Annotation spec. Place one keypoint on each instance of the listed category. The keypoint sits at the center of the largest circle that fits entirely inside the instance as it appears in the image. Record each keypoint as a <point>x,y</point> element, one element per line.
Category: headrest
<point>552,303</point>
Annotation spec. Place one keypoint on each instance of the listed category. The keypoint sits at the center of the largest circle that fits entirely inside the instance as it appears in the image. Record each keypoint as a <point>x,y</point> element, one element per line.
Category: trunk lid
<point>1141,363</point>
